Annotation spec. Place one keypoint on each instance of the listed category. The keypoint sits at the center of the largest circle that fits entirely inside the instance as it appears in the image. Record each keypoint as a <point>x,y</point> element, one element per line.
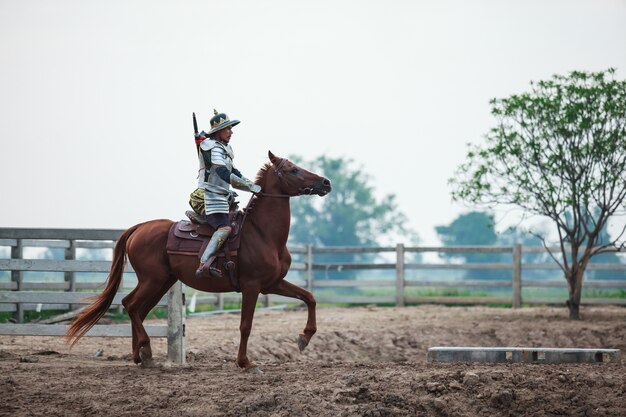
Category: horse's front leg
<point>249,298</point>
<point>288,289</point>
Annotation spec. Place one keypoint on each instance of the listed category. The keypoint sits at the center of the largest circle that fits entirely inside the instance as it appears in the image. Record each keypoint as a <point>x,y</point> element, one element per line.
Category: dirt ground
<point>368,361</point>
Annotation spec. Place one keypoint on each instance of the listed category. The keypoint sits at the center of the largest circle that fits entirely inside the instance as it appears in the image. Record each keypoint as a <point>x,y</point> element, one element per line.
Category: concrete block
<point>522,355</point>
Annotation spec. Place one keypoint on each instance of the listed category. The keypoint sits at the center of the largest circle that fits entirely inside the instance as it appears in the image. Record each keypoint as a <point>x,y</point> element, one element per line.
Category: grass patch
<point>595,293</point>
<point>30,315</point>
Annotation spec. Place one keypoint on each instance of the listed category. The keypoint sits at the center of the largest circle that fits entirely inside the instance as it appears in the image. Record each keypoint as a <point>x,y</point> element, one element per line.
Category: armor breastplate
<point>220,155</point>
<point>217,191</point>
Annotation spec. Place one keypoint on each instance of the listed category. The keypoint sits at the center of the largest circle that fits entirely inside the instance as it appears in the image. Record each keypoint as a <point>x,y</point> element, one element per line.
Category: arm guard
<point>242,183</point>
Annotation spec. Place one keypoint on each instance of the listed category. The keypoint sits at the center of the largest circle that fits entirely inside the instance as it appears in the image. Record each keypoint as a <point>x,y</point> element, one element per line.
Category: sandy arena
<point>368,361</point>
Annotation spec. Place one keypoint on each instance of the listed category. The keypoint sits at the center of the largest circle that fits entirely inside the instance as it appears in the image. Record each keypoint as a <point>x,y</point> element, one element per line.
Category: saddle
<point>190,239</point>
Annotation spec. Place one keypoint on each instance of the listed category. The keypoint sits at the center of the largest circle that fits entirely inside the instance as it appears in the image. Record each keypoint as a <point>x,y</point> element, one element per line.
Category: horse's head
<point>294,180</point>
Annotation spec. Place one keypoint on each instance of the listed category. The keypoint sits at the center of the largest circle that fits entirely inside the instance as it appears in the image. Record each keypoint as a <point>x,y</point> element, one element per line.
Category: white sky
<point>96,96</point>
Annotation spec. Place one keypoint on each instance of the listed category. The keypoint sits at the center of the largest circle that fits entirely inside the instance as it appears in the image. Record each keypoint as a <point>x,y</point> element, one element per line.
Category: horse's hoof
<point>148,363</point>
<point>145,355</point>
<point>302,343</point>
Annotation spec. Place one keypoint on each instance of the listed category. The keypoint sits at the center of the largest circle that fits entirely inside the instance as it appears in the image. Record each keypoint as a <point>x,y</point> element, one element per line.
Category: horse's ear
<point>275,160</point>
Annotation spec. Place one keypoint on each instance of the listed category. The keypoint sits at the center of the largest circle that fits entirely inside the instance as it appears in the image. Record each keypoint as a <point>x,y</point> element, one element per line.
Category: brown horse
<point>263,262</point>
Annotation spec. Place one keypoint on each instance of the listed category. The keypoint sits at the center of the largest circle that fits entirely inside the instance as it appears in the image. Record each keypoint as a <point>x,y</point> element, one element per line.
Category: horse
<point>263,262</point>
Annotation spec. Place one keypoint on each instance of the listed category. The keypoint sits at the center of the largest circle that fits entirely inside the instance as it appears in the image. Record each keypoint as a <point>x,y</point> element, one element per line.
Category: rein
<point>303,191</point>
<point>262,194</point>
<point>279,174</point>
<point>277,171</point>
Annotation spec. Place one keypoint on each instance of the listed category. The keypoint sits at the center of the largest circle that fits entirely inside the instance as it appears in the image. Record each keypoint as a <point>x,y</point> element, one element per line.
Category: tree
<point>603,258</point>
<point>478,228</point>
<point>557,151</point>
<point>351,215</point>
<point>514,235</point>
<point>474,228</point>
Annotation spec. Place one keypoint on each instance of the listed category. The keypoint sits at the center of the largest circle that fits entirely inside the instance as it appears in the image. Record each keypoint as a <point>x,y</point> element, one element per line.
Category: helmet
<point>220,121</point>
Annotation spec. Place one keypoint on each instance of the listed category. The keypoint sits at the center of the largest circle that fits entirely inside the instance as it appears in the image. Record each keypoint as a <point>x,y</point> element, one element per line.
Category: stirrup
<point>215,272</point>
<point>207,269</point>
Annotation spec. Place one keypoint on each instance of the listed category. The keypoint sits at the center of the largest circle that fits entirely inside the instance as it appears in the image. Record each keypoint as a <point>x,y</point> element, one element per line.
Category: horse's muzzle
<point>322,187</point>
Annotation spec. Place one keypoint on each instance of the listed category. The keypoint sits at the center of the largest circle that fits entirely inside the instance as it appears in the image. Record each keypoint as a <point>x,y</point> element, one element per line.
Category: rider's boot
<point>210,253</point>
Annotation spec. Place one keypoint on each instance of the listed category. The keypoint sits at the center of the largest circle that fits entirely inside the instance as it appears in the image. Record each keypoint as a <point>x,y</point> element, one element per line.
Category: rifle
<point>196,136</point>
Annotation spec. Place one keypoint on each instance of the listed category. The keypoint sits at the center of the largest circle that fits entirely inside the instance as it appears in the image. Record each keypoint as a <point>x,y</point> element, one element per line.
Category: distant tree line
<point>478,228</point>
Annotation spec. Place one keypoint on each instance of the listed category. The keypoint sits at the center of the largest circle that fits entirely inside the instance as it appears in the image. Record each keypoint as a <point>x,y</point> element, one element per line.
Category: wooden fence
<point>395,291</point>
<point>401,266</point>
<point>20,294</point>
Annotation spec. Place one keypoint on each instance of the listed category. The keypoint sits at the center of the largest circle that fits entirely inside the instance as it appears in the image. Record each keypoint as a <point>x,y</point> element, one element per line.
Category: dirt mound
<point>362,362</point>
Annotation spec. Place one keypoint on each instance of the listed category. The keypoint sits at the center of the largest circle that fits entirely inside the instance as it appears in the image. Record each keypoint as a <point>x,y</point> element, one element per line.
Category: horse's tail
<point>102,302</point>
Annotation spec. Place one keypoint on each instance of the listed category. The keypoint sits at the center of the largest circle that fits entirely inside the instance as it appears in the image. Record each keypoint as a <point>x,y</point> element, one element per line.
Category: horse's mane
<point>259,180</point>
<point>260,176</point>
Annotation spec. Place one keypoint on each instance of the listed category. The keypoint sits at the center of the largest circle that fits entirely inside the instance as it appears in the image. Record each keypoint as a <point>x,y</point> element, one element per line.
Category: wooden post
<point>400,275</point>
<point>309,268</point>
<point>176,324</point>
<point>17,276</point>
<point>220,301</point>
<point>517,276</point>
<point>70,254</point>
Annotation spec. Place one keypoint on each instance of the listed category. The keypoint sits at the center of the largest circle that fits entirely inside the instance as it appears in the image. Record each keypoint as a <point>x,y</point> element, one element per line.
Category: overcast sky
<point>96,96</point>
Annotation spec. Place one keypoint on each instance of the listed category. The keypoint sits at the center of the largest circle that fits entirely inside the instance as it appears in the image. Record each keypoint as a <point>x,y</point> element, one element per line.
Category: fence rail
<point>18,295</point>
<point>72,239</point>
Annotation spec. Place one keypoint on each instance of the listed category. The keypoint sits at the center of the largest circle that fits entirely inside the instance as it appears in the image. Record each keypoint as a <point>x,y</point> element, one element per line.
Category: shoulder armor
<point>220,156</point>
<point>208,144</point>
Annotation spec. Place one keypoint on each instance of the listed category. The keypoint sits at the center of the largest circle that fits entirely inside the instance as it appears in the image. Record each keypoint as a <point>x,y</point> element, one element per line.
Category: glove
<point>242,183</point>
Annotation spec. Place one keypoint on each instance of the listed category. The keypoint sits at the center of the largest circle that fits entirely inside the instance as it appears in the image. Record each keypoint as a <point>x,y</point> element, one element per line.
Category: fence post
<point>400,275</point>
<point>309,268</point>
<point>517,276</point>
<point>176,324</point>
<point>70,254</point>
<point>17,276</point>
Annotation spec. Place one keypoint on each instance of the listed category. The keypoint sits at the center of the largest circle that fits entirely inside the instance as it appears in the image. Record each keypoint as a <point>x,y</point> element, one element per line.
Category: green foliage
<point>473,229</point>
<point>560,145</point>
<point>353,214</point>
<point>603,258</point>
<point>477,228</point>
<point>30,315</point>
<point>558,150</point>
<point>514,235</point>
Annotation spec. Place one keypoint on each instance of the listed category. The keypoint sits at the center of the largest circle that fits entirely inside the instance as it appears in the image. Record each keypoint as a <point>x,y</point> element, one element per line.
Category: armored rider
<point>215,177</point>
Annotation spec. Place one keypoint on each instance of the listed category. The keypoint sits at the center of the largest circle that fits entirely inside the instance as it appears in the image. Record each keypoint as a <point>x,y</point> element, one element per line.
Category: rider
<point>215,177</point>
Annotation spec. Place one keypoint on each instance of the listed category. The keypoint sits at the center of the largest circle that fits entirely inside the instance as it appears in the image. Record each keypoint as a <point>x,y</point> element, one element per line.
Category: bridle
<point>279,173</point>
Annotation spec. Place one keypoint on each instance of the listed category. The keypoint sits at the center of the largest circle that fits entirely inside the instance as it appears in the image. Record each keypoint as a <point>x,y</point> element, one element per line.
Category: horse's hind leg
<point>138,304</point>
<point>288,289</point>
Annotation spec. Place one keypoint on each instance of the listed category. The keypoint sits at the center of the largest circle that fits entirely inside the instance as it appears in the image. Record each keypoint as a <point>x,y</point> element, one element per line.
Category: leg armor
<point>210,253</point>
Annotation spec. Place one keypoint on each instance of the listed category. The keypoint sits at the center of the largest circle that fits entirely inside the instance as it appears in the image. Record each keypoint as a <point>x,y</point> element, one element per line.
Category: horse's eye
<point>294,171</point>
